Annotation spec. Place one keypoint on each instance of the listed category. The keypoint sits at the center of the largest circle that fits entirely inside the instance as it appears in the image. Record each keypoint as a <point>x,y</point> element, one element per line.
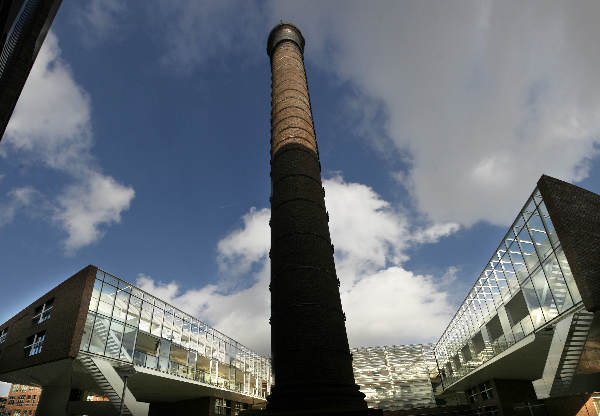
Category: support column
<point>53,400</point>
<point>312,364</point>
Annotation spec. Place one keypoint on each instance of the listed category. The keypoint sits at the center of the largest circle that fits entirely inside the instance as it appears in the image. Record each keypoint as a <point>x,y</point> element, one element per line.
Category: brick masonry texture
<point>575,213</point>
<point>312,364</point>
<point>63,330</point>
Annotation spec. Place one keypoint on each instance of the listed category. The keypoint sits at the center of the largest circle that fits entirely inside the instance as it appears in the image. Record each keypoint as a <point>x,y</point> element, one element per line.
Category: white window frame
<point>44,314</point>
<point>3,335</point>
<point>36,346</point>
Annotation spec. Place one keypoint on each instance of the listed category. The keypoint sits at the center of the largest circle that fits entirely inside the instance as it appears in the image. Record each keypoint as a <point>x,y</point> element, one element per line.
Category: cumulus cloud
<point>369,235</point>
<point>85,206</point>
<point>51,121</point>
<point>482,98</point>
<point>51,124</point>
<point>240,249</point>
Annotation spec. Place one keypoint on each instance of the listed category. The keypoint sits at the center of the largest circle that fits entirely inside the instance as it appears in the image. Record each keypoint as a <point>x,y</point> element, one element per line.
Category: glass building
<point>526,284</point>
<point>127,324</point>
<point>396,377</point>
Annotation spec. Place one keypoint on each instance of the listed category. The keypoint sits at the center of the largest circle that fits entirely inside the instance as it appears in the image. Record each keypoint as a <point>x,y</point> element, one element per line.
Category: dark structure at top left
<point>24,25</point>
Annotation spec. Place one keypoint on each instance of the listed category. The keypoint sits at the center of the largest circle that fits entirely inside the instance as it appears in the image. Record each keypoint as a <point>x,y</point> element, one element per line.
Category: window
<point>35,343</point>
<point>3,335</point>
<point>42,312</point>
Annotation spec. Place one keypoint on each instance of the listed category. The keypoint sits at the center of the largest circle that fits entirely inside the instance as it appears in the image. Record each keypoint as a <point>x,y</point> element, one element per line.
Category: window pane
<point>548,223</point>
<point>157,319</point>
<point>120,308</point>
<point>528,250</point>
<point>544,295</point>
<point>163,355</point>
<point>532,303</point>
<point>518,262</point>
<point>107,299</point>
<point>113,344</point>
<point>146,317</point>
<point>95,295</point>
<point>99,335</point>
<point>133,314</point>
<point>87,332</point>
<point>566,270</point>
<point>557,283</point>
<point>539,236</point>
<point>128,343</point>
<point>110,280</point>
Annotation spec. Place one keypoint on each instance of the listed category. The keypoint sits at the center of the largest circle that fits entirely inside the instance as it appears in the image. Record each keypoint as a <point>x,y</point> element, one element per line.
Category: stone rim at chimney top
<point>284,31</point>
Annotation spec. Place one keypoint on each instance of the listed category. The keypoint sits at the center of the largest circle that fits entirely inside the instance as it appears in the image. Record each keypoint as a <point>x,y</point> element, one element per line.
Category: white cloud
<point>51,124</point>
<point>4,388</point>
<point>483,97</point>
<point>384,302</point>
<point>247,245</point>
<point>98,18</point>
<point>86,206</point>
<point>200,30</point>
<point>51,121</point>
<point>435,232</point>
<point>17,199</point>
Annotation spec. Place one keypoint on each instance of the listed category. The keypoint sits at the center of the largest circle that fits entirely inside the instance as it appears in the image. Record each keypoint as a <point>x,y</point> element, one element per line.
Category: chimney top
<point>285,31</point>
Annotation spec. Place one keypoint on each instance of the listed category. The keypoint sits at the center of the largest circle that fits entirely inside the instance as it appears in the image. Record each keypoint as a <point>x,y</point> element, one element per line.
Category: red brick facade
<point>63,329</point>
<point>22,400</point>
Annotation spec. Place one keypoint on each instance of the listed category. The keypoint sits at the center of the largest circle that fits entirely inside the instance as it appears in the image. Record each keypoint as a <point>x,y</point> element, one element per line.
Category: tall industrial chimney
<point>312,364</point>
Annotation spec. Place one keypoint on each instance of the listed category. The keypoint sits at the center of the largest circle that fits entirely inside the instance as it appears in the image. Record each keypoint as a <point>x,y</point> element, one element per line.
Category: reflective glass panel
<point>110,280</point>
<point>87,332</point>
<point>98,340</point>
<point>157,319</point>
<point>113,344</point>
<point>532,303</point>
<point>544,295</point>
<point>107,299</point>
<point>539,236</point>
<point>128,343</point>
<point>566,271</point>
<point>557,283</point>
<point>146,316</point>
<point>121,304</point>
<point>548,223</point>
<point>528,250</point>
<point>133,312</point>
<point>95,295</point>
<point>163,355</point>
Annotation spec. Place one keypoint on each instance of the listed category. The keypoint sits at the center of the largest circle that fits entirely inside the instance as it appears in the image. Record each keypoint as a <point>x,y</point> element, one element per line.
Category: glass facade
<point>128,324</point>
<point>396,377</point>
<point>526,284</point>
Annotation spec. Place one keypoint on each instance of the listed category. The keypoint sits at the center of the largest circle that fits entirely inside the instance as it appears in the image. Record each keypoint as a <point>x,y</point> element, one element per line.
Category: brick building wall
<point>63,329</point>
<point>22,400</point>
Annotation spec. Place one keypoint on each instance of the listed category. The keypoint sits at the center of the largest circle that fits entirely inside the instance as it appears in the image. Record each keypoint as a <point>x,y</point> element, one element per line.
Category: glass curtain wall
<point>128,324</point>
<point>526,283</point>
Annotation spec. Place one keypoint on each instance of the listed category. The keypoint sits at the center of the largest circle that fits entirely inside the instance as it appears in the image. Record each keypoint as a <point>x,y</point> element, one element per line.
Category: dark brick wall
<point>575,213</point>
<point>63,329</point>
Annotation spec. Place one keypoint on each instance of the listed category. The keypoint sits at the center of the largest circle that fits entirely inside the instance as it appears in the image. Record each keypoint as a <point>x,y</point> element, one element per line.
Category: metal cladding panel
<point>396,377</point>
<point>575,213</point>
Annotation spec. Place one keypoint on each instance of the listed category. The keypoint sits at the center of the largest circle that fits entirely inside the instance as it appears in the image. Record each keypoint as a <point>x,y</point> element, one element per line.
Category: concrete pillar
<point>53,400</point>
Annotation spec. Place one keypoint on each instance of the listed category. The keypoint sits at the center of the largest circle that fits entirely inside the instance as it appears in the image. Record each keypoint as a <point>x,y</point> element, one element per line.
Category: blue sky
<point>140,144</point>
